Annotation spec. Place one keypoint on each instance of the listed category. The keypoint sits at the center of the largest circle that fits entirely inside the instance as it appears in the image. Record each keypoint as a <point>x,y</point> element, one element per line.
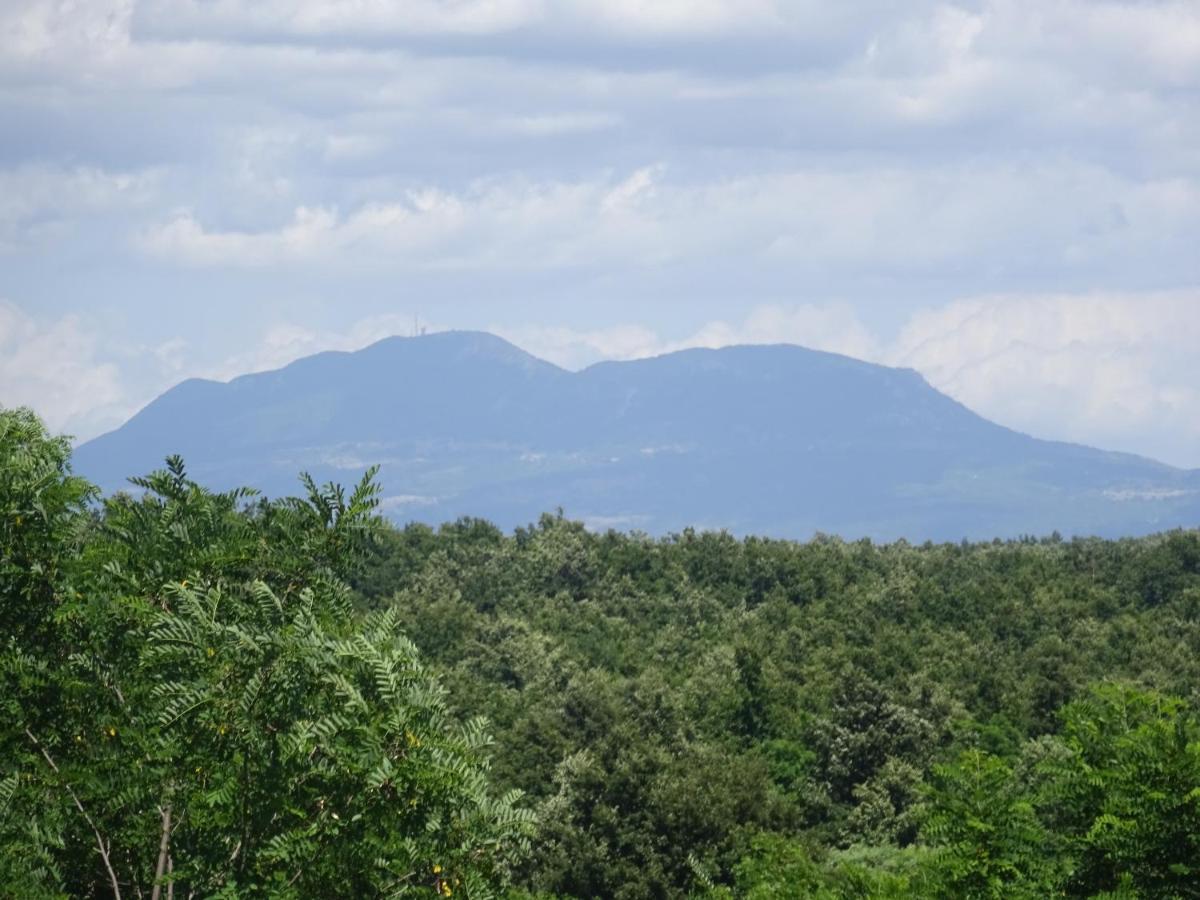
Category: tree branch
<point>100,843</point>
<point>164,846</point>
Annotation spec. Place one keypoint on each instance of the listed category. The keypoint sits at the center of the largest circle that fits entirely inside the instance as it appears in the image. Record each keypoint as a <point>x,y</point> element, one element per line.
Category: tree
<point>193,705</point>
<point>990,843</point>
<point>43,521</point>
<point>1126,796</point>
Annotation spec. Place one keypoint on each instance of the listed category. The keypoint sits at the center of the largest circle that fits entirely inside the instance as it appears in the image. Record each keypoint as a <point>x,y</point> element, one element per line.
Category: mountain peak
<point>458,346</point>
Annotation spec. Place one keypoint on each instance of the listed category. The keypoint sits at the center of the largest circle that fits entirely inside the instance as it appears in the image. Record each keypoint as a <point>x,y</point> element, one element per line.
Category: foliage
<point>288,691</point>
<point>858,720</point>
<point>1126,796</point>
<point>990,840</point>
<point>191,703</point>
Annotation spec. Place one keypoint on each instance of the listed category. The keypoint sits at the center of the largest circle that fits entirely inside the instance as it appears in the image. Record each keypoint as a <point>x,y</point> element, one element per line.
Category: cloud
<point>53,368</point>
<point>368,21</point>
<point>511,223</point>
<point>229,97</point>
<point>1005,222</point>
<point>1120,372</point>
<point>35,30</point>
<point>82,386</point>
<point>41,201</point>
<point>1152,42</point>
<point>1143,43</point>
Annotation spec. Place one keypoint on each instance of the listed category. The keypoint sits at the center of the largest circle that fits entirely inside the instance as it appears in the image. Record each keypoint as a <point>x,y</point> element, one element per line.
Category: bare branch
<point>100,843</point>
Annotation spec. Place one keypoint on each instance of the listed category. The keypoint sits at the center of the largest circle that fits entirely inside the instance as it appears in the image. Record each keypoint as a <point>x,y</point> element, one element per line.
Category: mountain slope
<point>759,439</point>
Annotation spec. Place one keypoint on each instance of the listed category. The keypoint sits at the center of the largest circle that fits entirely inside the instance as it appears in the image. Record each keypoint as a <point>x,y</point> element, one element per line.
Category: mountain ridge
<point>773,439</point>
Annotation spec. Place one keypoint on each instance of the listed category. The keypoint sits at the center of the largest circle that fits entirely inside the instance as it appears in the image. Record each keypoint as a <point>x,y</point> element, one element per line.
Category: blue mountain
<point>775,440</point>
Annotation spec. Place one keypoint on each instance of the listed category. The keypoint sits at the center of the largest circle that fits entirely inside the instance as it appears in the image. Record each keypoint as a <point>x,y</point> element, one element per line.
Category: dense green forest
<point>218,695</point>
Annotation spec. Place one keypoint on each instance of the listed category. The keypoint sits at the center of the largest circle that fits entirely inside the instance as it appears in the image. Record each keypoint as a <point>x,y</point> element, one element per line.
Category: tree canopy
<point>192,705</point>
<point>215,694</point>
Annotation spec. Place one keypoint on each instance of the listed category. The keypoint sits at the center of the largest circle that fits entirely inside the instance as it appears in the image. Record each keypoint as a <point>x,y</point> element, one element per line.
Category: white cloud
<point>817,220</point>
<point>185,240</point>
<point>36,30</point>
<point>1152,42</point>
<point>1120,372</point>
<point>338,130</point>
<point>1142,43</point>
<point>510,223</point>
<point>53,368</point>
<point>40,201</point>
<point>90,47</point>
<point>80,386</point>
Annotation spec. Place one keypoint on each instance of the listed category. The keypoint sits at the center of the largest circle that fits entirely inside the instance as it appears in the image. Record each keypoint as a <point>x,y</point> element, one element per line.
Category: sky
<point>1003,194</point>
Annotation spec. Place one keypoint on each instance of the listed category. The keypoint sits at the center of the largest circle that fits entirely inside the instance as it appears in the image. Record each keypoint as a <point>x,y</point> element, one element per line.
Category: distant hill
<point>775,440</point>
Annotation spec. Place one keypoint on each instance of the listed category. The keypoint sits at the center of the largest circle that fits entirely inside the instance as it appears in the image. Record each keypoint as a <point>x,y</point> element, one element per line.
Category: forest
<point>209,694</point>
